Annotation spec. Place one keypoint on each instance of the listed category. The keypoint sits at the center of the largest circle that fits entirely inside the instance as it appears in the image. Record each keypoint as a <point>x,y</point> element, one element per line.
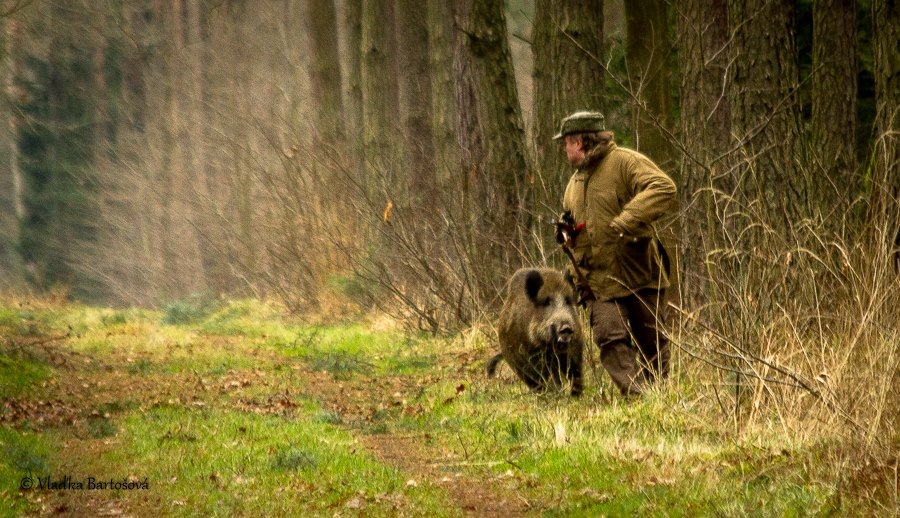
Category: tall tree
<point>567,42</point>
<point>353,111</point>
<point>441,44</point>
<point>183,218</point>
<point>834,94</point>
<point>648,52</point>
<point>886,175</point>
<point>379,89</point>
<point>207,233</point>
<point>56,148</point>
<point>493,133</point>
<point>11,206</point>
<point>415,96</point>
<point>765,114</point>
<point>702,32</point>
<point>325,71</point>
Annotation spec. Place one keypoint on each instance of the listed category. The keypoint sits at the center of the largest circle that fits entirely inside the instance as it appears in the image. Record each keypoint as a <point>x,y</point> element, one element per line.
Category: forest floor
<point>234,410</point>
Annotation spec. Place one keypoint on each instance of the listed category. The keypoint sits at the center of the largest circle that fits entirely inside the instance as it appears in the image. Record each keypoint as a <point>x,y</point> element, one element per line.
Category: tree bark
<point>702,32</point>
<point>325,71</point>
<point>885,193</point>
<point>494,137</point>
<point>12,208</point>
<point>441,44</point>
<point>649,74</point>
<point>353,110</point>
<point>834,99</point>
<point>567,42</point>
<point>415,99</point>
<point>379,91</point>
<point>765,113</point>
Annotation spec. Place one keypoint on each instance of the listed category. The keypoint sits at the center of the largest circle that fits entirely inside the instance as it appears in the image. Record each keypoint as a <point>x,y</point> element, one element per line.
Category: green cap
<point>581,122</point>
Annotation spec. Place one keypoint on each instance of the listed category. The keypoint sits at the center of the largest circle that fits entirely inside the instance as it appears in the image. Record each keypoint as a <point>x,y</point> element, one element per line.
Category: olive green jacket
<point>619,195</point>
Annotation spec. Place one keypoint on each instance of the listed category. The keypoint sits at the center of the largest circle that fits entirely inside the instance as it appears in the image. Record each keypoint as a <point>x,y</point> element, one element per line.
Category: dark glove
<point>583,293</point>
<point>566,225</point>
<point>561,222</point>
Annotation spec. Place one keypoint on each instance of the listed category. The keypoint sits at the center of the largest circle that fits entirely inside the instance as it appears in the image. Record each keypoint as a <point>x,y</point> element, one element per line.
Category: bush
<point>193,310</point>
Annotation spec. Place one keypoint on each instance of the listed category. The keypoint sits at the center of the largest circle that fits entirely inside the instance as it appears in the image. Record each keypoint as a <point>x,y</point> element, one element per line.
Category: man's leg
<point>646,314</point>
<point>610,333</point>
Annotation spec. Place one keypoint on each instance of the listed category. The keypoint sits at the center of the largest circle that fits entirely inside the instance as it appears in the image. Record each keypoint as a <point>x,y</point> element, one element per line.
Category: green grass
<point>244,433</point>
<point>216,462</point>
<point>590,457</point>
<point>349,350</point>
<point>22,454</point>
<point>17,375</point>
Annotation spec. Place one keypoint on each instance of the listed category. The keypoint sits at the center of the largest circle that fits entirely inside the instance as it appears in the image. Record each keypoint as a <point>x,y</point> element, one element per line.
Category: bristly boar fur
<point>540,337</point>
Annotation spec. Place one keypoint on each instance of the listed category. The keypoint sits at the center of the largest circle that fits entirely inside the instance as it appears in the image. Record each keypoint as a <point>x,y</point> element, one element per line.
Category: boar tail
<point>492,364</point>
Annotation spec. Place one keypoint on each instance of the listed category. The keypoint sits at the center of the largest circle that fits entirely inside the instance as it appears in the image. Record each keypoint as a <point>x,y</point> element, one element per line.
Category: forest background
<point>359,155</point>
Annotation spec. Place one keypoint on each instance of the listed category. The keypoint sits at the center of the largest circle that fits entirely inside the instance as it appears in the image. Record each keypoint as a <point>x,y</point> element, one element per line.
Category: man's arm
<point>654,195</point>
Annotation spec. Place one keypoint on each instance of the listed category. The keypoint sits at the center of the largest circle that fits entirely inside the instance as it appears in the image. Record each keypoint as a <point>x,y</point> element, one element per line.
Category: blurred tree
<point>180,184</point>
<point>441,38</point>
<point>567,42</point>
<point>325,71</point>
<point>11,205</point>
<point>885,191</point>
<point>648,56</point>
<point>834,92</point>
<point>200,175</point>
<point>56,141</point>
<point>379,91</point>
<point>415,98</point>
<point>353,111</point>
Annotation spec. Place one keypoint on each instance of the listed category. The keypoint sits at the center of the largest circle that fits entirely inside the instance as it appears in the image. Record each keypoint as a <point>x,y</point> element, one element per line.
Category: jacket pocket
<point>636,261</point>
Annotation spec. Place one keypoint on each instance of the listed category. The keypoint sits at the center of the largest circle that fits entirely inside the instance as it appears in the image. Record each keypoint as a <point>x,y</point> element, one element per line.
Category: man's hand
<point>582,289</point>
<point>619,229</point>
<point>564,222</point>
<point>567,230</point>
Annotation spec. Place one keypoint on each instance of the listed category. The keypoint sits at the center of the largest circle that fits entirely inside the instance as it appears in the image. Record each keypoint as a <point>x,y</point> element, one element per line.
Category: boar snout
<point>562,333</point>
<point>565,333</point>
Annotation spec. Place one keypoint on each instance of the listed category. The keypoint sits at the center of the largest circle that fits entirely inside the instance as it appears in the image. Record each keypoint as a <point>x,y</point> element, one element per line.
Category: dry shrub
<point>798,327</point>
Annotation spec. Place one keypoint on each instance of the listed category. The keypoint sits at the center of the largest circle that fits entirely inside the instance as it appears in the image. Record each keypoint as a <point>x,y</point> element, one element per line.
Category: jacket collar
<point>595,155</point>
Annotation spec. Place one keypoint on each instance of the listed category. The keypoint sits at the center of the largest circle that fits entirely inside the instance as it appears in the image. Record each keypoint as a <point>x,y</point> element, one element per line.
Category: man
<point>617,194</point>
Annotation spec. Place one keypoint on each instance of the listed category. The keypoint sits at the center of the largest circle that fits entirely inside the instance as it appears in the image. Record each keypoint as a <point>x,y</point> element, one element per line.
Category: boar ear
<point>533,283</point>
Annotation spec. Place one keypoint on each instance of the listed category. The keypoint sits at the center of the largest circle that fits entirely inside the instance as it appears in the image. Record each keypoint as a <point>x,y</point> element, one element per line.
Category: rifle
<point>569,230</point>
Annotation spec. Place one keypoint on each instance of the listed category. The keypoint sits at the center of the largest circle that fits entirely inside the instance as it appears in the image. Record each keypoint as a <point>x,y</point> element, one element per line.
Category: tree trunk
<point>885,194</point>
<point>441,42</point>
<point>181,180</point>
<point>415,99</point>
<point>765,113</point>
<point>649,74</point>
<point>353,111</point>
<point>702,32</point>
<point>567,42</point>
<point>494,139</point>
<point>325,72</point>
<point>834,99</point>
<point>207,234</point>
<point>11,187</point>
<point>379,91</point>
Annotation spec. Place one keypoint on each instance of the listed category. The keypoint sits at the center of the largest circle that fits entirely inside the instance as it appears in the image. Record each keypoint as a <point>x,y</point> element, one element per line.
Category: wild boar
<point>540,337</point>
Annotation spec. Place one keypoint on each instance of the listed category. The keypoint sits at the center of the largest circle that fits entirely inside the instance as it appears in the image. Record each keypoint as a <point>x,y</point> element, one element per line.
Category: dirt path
<point>414,456</point>
<point>100,383</point>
